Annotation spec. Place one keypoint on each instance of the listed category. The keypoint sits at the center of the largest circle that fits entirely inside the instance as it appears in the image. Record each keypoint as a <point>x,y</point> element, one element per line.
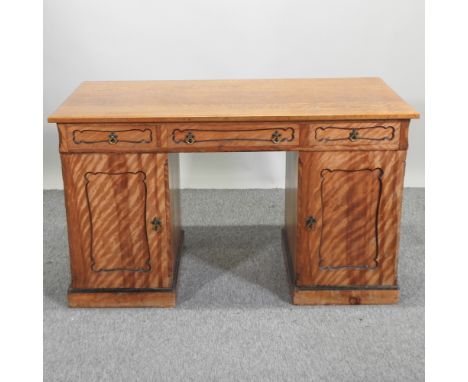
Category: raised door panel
<point>117,214</point>
<point>112,203</point>
<point>350,202</point>
<point>349,218</point>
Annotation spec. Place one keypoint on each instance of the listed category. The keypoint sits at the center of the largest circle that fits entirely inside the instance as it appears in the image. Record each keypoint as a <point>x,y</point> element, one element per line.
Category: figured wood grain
<point>350,202</point>
<point>118,224</point>
<point>233,100</point>
<point>95,137</point>
<point>343,235</point>
<point>118,212</point>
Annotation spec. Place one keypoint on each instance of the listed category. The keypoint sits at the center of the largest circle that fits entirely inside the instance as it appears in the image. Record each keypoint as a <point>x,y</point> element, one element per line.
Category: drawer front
<point>107,137</point>
<point>226,136</point>
<point>356,135</point>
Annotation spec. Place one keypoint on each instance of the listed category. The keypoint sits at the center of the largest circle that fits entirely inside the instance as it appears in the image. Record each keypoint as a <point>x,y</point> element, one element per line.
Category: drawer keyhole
<point>113,138</point>
<point>353,135</point>
<point>310,222</point>
<point>190,138</point>
<point>156,223</point>
<point>276,137</point>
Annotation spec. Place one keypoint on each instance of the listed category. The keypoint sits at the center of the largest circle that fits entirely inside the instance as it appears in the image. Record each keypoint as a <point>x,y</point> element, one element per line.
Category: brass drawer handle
<point>113,138</point>
<point>156,223</point>
<point>276,137</point>
<point>310,222</point>
<point>353,135</point>
<point>189,138</point>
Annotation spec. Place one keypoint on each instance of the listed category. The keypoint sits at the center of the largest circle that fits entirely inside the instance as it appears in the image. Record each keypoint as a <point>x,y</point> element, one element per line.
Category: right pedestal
<point>342,226</point>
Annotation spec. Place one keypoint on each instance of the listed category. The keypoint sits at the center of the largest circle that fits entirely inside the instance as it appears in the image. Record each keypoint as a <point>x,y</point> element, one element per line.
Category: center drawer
<point>230,136</point>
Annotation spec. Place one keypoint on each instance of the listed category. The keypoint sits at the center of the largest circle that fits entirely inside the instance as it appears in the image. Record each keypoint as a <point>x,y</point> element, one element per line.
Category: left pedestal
<point>123,228</point>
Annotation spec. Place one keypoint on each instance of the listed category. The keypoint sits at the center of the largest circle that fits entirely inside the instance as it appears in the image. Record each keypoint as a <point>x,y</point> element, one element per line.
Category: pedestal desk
<point>345,141</point>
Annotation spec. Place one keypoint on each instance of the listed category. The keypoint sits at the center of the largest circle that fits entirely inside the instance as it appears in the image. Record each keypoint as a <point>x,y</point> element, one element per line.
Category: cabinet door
<point>117,219</point>
<point>349,216</point>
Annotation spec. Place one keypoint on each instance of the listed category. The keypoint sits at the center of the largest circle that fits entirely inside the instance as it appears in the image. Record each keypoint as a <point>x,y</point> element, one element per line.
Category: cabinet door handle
<point>310,222</point>
<point>156,223</point>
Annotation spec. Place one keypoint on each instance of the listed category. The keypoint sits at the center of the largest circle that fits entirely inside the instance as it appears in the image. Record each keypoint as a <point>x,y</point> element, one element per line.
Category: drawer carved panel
<point>354,136</point>
<point>195,136</point>
<point>222,135</point>
<point>112,137</point>
<point>107,138</point>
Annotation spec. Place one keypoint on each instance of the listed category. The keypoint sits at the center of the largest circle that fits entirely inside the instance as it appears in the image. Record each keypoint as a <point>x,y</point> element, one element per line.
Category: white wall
<point>215,39</point>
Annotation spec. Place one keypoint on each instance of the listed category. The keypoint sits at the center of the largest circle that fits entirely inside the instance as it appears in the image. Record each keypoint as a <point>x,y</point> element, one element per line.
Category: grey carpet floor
<point>234,321</point>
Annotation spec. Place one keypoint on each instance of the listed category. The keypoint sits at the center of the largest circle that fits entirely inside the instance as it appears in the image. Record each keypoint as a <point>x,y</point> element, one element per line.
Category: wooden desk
<point>346,142</point>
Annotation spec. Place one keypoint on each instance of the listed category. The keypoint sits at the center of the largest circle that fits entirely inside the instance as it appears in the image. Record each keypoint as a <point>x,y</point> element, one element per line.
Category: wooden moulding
<point>345,296</point>
<point>136,298</point>
<point>128,297</point>
<point>329,295</point>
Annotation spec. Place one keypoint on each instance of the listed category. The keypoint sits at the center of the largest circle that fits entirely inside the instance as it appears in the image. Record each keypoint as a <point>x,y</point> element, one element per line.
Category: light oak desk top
<point>233,100</point>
